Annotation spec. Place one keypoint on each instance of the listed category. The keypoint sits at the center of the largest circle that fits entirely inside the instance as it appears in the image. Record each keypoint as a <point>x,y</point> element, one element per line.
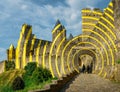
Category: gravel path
<point>91,83</point>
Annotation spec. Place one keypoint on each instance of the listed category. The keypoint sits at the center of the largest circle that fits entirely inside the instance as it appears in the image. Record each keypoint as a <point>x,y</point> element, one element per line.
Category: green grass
<point>5,89</point>
<point>26,89</point>
<point>34,87</point>
<point>7,77</point>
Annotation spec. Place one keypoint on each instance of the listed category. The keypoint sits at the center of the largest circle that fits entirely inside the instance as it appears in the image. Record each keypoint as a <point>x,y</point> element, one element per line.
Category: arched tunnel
<point>85,57</point>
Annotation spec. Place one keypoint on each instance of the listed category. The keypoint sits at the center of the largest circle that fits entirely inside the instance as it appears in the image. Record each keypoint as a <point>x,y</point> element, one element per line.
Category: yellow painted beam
<point>90,17</point>
<point>32,46</point>
<point>56,28</point>
<point>84,54</point>
<point>25,46</point>
<point>108,36</point>
<point>19,46</point>
<point>101,30</point>
<point>113,34</point>
<point>94,12</point>
<point>81,36</point>
<point>53,44</point>
<point>105,74</point>
<point>109,16</point>
<point>91,24</point>
<point>108,22</point>
<point>56,59</point>
<point>44,54</point>
<point>38,52</point>
<point>79,44</point>
<point>111,4</point>
<point>111,52</point>
<point>110,10</point>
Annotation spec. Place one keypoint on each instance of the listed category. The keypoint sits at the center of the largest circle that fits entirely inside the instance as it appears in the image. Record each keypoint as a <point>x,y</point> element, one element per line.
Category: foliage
<point>9,65</point>
<point>46,74</point>
<point>33,77</point>
<point>118,61</point>
<point>40,75</point>
<point>18,83</point>
<point>6,89</point>
<point>37,76</point>
<point>30,68</point>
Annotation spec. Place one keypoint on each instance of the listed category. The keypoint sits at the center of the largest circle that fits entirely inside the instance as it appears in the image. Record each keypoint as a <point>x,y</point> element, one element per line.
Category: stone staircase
<point>91,83</point>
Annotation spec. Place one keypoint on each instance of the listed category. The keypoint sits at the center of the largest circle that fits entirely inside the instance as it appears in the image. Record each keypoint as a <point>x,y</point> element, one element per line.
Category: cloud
<point>41,15</point>
<point>78,4</point>
<point>24,7</point>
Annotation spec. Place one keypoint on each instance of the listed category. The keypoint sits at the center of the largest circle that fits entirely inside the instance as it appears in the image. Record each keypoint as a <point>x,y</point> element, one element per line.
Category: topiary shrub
<point>18,83</point>
<point>9,65</point>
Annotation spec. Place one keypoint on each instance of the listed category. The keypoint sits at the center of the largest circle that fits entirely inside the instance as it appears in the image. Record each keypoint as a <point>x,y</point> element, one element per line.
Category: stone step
<point>92,83</point>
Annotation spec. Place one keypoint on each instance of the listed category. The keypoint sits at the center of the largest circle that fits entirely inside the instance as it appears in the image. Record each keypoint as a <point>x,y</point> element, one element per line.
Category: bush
<point>30,68</point>
<point>46,74</point>
<point>9,65</point>
<point>41,75</point>
<point>18,83</point>
<point>37,76</point>
<point>34,75</point>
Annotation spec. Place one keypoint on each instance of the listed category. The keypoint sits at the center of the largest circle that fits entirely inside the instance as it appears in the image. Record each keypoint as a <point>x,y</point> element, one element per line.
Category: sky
<point>42,15</point>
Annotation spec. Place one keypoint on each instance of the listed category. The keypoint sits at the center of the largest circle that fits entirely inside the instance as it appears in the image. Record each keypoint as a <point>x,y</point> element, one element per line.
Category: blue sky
<point>42,15</point>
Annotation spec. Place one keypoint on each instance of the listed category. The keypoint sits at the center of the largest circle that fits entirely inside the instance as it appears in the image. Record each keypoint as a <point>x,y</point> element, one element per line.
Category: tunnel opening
<point>85,61</point>
<point>86,64</point>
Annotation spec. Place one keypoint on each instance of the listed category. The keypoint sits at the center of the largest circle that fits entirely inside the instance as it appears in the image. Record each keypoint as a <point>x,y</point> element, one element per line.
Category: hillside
<point>6,78</point>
